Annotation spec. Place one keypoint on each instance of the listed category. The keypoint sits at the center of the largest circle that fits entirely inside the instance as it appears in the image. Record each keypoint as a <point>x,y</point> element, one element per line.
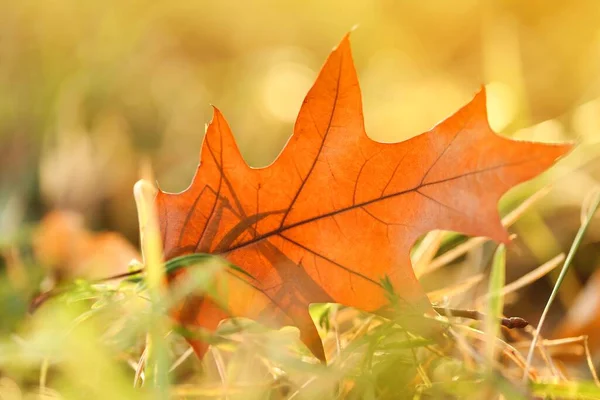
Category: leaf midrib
<point>368,202</point>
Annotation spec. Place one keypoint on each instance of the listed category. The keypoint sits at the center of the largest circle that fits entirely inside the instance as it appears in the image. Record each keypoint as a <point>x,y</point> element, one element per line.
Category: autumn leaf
<point>69,250</point>
<point>337,212</point>
<point>581,320</point>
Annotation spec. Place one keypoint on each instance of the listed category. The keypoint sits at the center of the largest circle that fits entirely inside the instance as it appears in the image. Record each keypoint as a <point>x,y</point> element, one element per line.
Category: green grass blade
<point>495,304</point>
<point>576,243</point>
<point>189,260</point>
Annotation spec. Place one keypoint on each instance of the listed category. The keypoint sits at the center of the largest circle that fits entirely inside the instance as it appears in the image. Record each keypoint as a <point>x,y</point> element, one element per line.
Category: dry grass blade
<point>221,369</point>
<point>304,385</point>
<point>460,288</point>
<point>590,362</point>
<point>44,373</point>
<point>181,359</point>
<point>512,217</point>
<point>507,350</point>
<point>452,255</point>
<point>546,358</point>
<point>156,352</point>
<point>427,250</point>
<point>583,340</point>
<point>528,278</point>
<point>588,359</point>
<point>138,378</point>
<point>336,331</point>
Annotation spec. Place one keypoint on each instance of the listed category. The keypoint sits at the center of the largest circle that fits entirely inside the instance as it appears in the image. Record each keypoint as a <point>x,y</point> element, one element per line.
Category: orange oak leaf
<point>337,211</point>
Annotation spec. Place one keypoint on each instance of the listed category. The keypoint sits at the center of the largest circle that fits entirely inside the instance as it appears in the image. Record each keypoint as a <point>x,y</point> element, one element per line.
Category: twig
<point>508,322</point>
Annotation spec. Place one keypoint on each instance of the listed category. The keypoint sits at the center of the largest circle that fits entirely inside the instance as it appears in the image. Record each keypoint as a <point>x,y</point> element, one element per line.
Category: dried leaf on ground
<point>67,247</point>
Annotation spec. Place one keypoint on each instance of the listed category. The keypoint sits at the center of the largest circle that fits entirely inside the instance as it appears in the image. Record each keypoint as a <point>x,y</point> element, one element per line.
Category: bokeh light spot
<point>285,86</point>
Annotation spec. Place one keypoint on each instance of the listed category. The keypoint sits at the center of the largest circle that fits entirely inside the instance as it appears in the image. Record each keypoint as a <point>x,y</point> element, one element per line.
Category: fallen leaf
<point>582,318</point>
<point>337,212</point>
<point>64,245</point>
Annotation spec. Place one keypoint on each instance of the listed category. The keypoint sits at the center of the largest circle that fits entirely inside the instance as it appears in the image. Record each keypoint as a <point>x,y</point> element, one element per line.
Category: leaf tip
<point>217,117</point>
<point>566,148</point>
<point>217,114</point>
<point>480,98</point>
<point>500,235</point>
<point>344,44</point>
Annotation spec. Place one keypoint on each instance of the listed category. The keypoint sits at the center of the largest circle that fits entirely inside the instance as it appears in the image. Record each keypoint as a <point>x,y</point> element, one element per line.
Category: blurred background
<point>93,91</point>
<point>90,89</point>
